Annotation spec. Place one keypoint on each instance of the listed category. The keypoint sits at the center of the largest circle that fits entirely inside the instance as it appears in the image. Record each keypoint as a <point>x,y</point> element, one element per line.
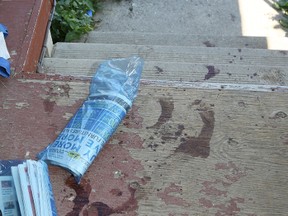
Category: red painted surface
<point>35,37</point>
<point>26,21</point>
<point>31,119</point>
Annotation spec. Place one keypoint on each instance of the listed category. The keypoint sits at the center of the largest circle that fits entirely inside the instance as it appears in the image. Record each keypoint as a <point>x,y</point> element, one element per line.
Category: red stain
<point>167,108</point>
<point>210,189</point>
<point>236,172</point>
<point>98,209</point>
<point>145,180</point>
<point>231,208</point>
<point>236,176</point>
<point>82,190</point>
<point>184,214</point>
<point>102,209</point>
<point>48,105</point>
<point>180,130</point>
<point>131,204</point>
<point>215,189</point>
<point>133,118</point>
<point>226,166</point>
<point>200,146</point>
<point>218,186</point>
<point>206,203</point>
<point>111,172</point>
<point>116,192</point>
<point>170,199</point>
<point>113,158</point>
<point>212,72</point>
<point>209,44</point>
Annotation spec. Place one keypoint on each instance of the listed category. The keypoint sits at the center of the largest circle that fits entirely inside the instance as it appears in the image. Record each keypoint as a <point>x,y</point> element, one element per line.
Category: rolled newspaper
<point>4,54</point>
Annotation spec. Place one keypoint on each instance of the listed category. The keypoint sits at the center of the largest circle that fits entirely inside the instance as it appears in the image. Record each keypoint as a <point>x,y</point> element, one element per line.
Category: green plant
<point>282,5</point>
<point>70,20</point>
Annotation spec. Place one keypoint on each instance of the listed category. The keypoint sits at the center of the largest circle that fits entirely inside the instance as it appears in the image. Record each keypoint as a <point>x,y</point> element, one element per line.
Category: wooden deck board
<point>188,72</point>
<point>179,151</point>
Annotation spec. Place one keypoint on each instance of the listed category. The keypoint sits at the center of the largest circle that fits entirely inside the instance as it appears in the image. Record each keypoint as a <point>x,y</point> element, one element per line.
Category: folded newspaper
<point>25,189</point>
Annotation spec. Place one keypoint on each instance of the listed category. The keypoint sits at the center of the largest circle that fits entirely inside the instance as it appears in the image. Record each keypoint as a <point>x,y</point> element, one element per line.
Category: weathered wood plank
<point>179,151</point>
<point>179,54</point>
<point>188,72</point>
<point>171,39</point>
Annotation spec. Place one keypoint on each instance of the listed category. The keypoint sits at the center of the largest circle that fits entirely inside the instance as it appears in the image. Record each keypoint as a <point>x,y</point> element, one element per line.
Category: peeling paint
<point>5,105</point>
<point>209,188</point>
<point>205,202</point>
<point>58,93</point>
<point>21,105</point>
<point>218,190</point>
<point>235,173</point>
<point>229,208</point>
<point>8,103</point>
<point>27,155</point>
<point>118,174</point>
<point>68,116</point>
<point>172,196</point>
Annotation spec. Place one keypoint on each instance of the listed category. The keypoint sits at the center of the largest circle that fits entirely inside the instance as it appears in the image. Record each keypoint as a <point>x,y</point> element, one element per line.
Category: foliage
<point>70,20</point>
<point>282,5</point>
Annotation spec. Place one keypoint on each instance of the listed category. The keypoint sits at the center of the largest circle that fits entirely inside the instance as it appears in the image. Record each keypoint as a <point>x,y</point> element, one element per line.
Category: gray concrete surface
<point>199,17</point>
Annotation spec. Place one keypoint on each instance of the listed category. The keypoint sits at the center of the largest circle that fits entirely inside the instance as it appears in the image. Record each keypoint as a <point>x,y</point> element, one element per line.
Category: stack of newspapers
<point>25,189</point>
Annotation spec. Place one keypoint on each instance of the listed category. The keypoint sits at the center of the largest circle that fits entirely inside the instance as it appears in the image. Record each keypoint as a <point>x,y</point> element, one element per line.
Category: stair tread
<point>205,55</point>
<point>189,72</point>
<point>278,43</point>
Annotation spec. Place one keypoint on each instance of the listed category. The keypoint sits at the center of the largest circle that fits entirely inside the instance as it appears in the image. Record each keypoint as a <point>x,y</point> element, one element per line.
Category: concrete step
<point>138,38</point>
<point>177,54</point>
<point>187,72</point>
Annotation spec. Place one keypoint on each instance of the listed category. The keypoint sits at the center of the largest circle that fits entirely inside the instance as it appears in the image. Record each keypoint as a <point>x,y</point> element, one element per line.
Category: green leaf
<point>70,20</point>
<point>284,23</point>
<point>283,4</point>
<point>70,36</point>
